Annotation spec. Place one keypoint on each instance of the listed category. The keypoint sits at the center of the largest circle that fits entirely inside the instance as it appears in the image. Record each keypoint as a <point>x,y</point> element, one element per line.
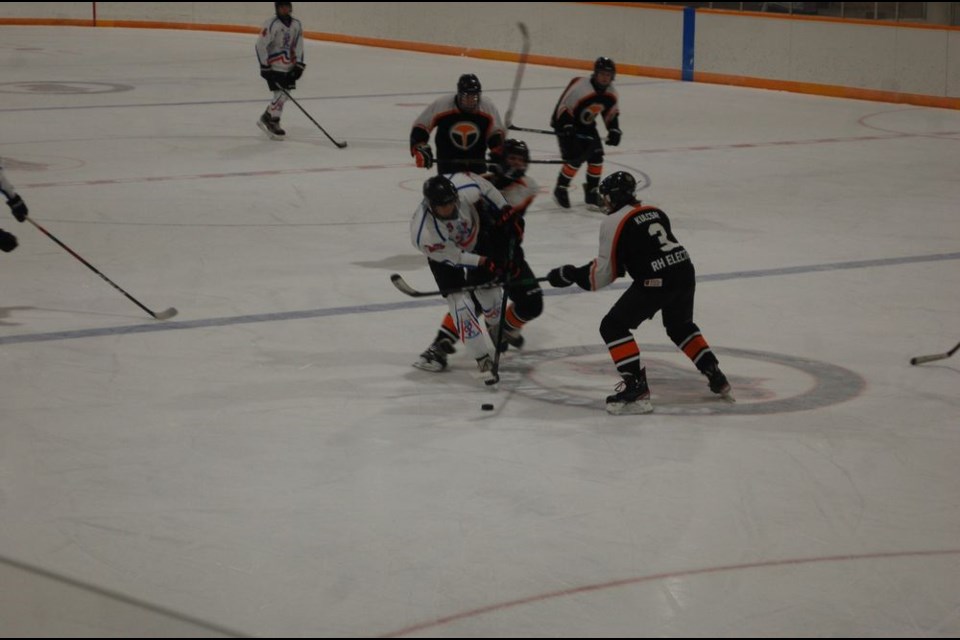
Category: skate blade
<point>639,407</point>
<point>726,396</point>
<point>430,367</point>
<point>269,133</point>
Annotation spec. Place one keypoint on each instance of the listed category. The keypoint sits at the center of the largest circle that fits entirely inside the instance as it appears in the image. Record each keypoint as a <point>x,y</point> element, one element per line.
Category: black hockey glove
<point>423,155</point>
<point>297,71</point>
<point>557,278</point>
<point>285,80</point>
<point>8,241</point>
<point>18,208</point>
<point>613,137</point>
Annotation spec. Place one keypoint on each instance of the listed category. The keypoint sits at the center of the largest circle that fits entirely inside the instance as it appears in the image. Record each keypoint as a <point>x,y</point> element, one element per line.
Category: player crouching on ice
<point>637,240</point>
<point>446,228</point>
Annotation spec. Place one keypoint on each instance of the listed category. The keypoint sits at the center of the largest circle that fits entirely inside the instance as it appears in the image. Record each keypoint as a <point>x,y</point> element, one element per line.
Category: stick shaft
<point>339,145</point>
<point>90,266</point>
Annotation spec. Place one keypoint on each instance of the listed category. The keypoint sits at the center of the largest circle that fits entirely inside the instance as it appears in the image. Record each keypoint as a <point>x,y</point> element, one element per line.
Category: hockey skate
<point>561,197</point>
<point>271,126</point>
<point>485,371</point>
<point>718,383</point>
<point>632,397</point>
<point>433,360</point>
<point>591,197</point>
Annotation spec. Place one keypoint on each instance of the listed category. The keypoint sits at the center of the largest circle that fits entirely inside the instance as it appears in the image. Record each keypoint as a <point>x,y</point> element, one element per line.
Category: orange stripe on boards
<point>695,346</point>
<point>835,91</point>
<point>46,22</point>
<point>836,19</point>
<point>635,5</point>
<point>149,24</point>
<point>624,351</point>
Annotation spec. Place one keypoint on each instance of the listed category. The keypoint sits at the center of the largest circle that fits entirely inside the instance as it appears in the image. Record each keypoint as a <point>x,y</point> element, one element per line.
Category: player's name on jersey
<point>646,217</point>
<point>670,259</point>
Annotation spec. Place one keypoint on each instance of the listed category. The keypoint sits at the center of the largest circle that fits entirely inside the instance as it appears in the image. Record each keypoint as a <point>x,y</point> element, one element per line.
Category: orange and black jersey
<point>582,103</point>
<point>461,135</point>
<point>637,240</point>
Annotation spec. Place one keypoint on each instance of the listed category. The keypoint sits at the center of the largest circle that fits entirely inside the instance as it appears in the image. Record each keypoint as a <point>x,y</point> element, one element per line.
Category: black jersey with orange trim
<point>637,240</point>
<point>582,103</point>
<point>461,135</point>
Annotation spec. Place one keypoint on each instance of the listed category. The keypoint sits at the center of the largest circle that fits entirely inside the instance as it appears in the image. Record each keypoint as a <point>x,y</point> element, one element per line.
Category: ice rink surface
<point>268,463</point>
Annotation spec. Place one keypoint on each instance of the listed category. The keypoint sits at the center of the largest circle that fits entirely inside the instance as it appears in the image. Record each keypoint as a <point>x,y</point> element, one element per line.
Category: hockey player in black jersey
<point>638,240</point>
<point>575,121</point>
<point>467,124</point>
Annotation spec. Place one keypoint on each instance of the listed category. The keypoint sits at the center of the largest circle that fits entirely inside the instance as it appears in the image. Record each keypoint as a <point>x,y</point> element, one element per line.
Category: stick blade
<point>166,314</point>
<point>402,285</point>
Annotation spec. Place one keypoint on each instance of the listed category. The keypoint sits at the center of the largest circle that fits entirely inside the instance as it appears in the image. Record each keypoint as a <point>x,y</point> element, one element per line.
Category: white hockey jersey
<point>279,46</point>
<point>520,193</point>
<point>452,241</point>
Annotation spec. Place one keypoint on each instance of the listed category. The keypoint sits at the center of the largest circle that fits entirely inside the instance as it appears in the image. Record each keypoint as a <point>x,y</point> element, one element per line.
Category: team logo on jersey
<point>588,115</point>
<point>460,231</point>
<point>464,135</point>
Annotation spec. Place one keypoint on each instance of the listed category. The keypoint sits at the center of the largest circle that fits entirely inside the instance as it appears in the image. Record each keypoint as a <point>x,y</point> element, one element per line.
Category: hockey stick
<point>549,132</point>
<point>402,285</point>
<point>524,53</point>
<point>936,356</point>
<point>497,348</point>
<point>163,315</point>
<point>339,145</point>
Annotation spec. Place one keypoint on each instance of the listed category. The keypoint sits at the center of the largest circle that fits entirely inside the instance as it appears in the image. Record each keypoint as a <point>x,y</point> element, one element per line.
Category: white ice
<point>269,463</point>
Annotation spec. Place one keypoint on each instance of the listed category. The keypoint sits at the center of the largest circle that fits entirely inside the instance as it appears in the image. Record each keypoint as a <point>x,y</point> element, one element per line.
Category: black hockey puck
<point>487,407</point>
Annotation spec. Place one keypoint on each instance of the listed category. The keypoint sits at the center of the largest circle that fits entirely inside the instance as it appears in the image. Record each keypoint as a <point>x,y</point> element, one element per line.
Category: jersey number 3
<point>657,231</point>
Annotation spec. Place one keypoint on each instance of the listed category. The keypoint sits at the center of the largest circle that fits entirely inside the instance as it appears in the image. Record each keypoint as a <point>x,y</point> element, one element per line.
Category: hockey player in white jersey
<point>280,53</point>
<point>446,228</point>
<point>8,241</point>
<point>508,173</point>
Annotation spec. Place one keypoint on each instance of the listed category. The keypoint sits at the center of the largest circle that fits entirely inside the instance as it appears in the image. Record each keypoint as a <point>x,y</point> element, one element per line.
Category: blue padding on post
<point>689,33</point>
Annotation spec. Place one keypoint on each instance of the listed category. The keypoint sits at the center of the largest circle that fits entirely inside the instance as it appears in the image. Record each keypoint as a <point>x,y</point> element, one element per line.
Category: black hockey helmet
<point>277,5</point>
<point>618,190</point>
<point>514,147</point>
<point>439,191</point>
<point>468,84</point>
<point>604,63</point>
